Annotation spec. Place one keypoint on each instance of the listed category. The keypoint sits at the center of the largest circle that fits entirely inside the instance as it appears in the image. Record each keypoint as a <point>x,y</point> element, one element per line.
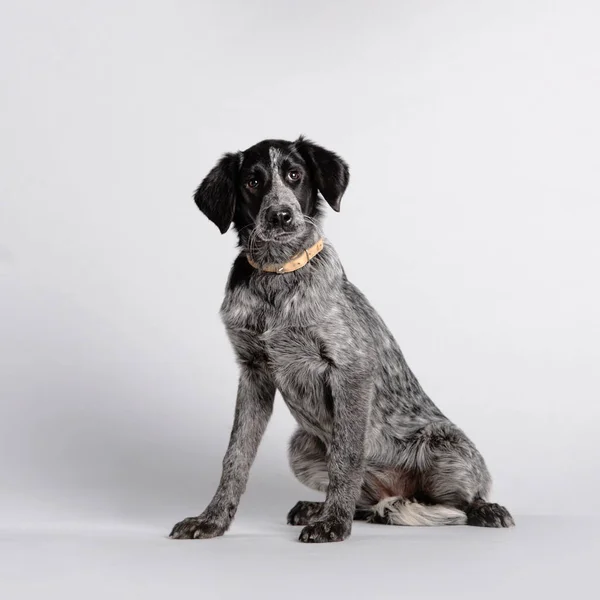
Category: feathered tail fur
<point>401,511</point>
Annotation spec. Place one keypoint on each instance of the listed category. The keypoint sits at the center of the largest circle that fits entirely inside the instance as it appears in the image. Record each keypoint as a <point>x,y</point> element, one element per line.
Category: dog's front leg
<point>351,396</point>
<point>253,409</point>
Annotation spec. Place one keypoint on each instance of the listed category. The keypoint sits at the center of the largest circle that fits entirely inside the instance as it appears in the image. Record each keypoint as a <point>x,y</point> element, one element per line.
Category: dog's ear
<point>216,195</point>
<point>329,170</point>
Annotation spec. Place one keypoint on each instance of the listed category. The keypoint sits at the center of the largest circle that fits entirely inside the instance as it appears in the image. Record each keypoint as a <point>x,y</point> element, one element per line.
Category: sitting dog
<point>368,435</point>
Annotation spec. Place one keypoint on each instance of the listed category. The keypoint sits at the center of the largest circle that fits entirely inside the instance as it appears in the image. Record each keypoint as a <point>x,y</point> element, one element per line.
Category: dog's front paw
<point>195,528</point>
<point>327,530</point>
<point>304,513</point>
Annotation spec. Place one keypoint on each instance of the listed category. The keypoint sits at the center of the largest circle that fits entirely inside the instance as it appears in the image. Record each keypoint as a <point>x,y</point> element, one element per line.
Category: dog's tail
<point>401,511</point>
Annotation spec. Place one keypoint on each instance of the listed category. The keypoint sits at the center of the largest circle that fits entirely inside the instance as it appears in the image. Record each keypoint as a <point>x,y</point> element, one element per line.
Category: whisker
<point>245,227</point>
<point>314,223</point>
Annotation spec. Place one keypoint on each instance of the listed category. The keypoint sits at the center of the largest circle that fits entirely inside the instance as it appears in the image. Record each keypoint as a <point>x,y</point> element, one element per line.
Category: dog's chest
<point>293,345</point>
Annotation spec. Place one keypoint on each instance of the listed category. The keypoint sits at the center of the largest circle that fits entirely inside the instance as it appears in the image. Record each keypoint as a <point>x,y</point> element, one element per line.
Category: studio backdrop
<point>471,130</point>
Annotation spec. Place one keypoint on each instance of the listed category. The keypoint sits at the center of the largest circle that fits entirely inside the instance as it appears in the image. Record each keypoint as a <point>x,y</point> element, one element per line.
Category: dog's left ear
<point>217,194</point>
<point>330,171</point>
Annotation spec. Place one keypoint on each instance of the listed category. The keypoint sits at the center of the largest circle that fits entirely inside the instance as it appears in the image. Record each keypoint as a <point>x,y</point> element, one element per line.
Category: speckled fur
<point>368,436</point>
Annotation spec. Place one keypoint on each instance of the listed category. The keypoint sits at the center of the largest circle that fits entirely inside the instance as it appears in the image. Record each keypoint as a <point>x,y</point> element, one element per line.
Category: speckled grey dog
<point>369,437</point>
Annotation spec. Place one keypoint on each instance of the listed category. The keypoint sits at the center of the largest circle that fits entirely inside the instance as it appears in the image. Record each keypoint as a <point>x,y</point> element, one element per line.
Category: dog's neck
<point>296,262</point>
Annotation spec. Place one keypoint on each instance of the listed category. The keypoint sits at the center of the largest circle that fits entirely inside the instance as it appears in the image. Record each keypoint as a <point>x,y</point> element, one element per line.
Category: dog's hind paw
<point>489,515</point>
<point>304,512</point>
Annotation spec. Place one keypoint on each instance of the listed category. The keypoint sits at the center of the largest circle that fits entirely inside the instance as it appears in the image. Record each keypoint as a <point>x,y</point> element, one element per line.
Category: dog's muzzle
<point>281,218</point>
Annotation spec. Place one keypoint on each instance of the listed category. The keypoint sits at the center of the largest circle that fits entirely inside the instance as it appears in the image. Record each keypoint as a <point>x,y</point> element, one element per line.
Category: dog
<point>368,436</point>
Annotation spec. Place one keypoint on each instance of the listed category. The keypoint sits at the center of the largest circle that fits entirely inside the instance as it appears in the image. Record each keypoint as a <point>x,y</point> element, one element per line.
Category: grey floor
<point>543,557</point>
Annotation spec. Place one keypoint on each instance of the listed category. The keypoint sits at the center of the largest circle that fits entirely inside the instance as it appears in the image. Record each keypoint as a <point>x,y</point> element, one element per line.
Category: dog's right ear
<point>216,195</point>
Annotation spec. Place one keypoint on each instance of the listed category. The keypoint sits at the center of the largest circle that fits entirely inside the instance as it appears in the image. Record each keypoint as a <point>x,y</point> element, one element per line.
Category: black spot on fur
<point>240,273</point>
<point>328,398</point>
<point>325,355</point>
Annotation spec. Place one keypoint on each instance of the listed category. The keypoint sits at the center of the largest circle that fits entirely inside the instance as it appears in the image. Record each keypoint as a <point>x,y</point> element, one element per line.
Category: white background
<point>471,223</point>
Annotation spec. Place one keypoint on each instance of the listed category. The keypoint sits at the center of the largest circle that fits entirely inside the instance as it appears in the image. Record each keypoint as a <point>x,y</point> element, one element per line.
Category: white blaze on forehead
<point>280,193</point>
<point>275,155</point>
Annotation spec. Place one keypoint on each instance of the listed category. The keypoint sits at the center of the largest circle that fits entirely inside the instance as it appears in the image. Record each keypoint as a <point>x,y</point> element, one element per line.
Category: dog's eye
<point>294,175</point>
<point>252,183</point>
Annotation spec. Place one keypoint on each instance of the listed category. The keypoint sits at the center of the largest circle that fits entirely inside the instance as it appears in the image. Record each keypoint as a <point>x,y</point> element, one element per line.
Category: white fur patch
<point>275,155</point>
<point>400,511</point>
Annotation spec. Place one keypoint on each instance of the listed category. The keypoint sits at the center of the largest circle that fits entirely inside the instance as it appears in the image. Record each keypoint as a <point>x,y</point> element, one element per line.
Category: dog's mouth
<point>276,236</point>
<point>267,234</point>
<point>268,245</point>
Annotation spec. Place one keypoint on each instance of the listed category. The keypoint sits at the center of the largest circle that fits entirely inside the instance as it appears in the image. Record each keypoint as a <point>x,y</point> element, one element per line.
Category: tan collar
<point>295,263</point>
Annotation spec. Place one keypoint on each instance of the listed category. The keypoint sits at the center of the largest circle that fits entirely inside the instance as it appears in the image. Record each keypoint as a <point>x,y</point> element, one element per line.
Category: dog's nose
<point>280,217</point>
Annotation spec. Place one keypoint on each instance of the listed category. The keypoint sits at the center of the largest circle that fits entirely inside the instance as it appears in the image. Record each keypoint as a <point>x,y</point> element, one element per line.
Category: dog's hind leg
<point>391,495</point>
<point>308,459</point>
<point>438,478</point>
<point>452,474</point>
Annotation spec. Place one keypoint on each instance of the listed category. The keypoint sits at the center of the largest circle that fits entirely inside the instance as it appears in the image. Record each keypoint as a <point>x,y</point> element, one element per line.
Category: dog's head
<point>270,192</point>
